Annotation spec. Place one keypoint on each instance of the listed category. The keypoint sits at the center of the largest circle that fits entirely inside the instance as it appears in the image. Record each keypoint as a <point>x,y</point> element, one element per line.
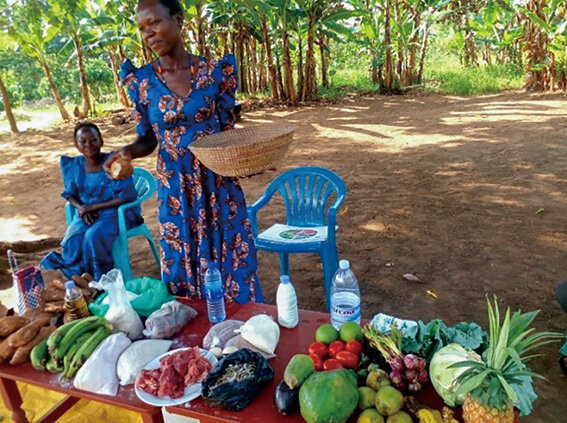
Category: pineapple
<point>502,381</point>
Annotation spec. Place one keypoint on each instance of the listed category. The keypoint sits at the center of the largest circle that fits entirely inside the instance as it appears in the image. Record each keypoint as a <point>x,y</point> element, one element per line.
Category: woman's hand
<point>88,214</point>
<point>122,155</point>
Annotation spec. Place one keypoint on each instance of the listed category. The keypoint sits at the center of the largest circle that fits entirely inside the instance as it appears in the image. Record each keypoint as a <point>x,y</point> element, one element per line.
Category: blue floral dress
<point>202,215</point>
<point>89,248</point>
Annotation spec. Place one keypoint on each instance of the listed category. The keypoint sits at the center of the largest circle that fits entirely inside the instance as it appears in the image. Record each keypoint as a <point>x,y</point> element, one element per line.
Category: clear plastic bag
<point>120,312</point>
<point>221,333</point>
<point>168,320</point>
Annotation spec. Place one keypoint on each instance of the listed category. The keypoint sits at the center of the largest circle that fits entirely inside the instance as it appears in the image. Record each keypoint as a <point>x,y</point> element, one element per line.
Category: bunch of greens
<point>431,337</point>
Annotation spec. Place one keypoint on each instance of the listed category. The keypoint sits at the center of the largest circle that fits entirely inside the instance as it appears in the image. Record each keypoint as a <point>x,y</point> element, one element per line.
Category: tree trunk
<point>401,54</point>
<point>300,76</point>
<point>374,65</point>
<point>201,39</point>
<point>120,94</point>
<point>536,45</point>
<point>262,82</point>
<point>241,65</point>
<point>82,75</point>
<point>324,60</point>
<point>288,69</point>
<point>8,107</point>
<point>55,91</point>
<point>252,56</point>
<point>271,68</point>
<point>310,81</point>
<point>388,65</point>
<point>471,57</point>
<point>422,57</point>
<point>283,94</point>
<point>122,54</point>
<point>413,75</point>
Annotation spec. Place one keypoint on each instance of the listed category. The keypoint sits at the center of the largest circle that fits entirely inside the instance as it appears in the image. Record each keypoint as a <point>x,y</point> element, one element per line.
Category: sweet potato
<point>55,307</point>
<point>3,310</point>
<point>88,277</point>
<point>22,354</point>
<point>57,284</point>
<point>80,281</point>
<point>53,294</point>
<point>24,335</point>
<point>11,324</point>
<point>6,351</point>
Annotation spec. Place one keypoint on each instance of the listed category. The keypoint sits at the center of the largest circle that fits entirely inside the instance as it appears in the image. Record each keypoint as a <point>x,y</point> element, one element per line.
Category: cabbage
<point>443,378</point>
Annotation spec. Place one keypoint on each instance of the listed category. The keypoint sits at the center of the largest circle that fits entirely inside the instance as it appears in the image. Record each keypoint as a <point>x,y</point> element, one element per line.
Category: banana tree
<point>70,17</point>
<point>6,48</point>
<point>284,10</point>
<point>196,22</point>
<point>32,33</point>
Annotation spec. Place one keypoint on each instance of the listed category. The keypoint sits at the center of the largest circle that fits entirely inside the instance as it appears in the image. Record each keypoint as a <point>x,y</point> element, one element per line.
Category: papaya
<point>329,396</point>
<point>299,368</point>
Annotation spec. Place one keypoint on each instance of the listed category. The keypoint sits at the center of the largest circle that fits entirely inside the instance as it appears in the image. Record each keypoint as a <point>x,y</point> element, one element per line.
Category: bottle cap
<point>69,284</point>
<point>284,278</point>
<point>344,264</point>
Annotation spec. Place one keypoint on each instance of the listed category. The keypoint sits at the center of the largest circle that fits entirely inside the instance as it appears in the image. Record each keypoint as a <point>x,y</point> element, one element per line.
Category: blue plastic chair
<point>145,187</point>
<point>312,197</point>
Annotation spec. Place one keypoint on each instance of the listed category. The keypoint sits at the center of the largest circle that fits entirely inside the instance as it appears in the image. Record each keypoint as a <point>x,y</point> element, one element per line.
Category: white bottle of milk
<point>286,299</point>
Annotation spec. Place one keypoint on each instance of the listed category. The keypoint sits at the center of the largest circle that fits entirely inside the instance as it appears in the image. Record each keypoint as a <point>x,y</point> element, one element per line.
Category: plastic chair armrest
<point>121,211</point>
<point>253,209</point>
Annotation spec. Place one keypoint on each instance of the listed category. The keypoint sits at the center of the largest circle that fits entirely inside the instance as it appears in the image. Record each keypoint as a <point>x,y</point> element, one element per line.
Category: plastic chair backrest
<point>144,182</point>
<point>308,193</point>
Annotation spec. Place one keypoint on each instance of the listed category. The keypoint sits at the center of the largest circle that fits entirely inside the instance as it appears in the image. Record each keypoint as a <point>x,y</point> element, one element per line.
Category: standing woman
<point>202,216</point>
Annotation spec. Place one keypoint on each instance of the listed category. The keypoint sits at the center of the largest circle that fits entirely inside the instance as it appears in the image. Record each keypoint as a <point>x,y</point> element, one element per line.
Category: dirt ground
<point>468,194</point>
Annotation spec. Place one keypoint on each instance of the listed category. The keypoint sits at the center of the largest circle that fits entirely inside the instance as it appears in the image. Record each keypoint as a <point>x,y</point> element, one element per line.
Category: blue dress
<point>89,248</point>
<point>202,215</point>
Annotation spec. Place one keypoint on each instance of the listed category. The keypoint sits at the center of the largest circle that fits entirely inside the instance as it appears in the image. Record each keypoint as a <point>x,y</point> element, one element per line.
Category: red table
<point>262,409</point>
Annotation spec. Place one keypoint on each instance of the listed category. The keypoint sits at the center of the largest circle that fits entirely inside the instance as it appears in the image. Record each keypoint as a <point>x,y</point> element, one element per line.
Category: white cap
<point>284,278</point>
<point>344,264</point>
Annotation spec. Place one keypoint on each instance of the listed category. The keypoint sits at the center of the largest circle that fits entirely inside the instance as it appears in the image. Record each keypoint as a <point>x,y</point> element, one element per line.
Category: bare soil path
<point>468,194</point>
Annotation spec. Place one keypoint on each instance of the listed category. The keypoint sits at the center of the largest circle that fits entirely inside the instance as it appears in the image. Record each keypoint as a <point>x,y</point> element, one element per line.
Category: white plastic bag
<point>262,332</point>
<point>221,333</point>
<point>120,312</point>
<point>136,356</point>
<point>98,374</point>
<point>168,320</point>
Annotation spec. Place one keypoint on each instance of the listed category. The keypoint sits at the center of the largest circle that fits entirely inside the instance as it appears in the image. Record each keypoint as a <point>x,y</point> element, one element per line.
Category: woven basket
<point>244,151</point>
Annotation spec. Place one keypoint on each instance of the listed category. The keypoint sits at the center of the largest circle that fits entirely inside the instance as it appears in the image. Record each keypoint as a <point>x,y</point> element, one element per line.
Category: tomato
<point>318,361</point>
<point>354,346</point>
<point>335,347</point>
<point>347,359</point>
<point>332,364</point>
<point>318,348</point>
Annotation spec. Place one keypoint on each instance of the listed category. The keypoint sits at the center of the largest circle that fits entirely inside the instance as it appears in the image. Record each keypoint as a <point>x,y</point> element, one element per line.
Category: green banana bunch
<point>72,351</point>
<point>87,324</point>
<point>39,355</point>
<point>86,349</point>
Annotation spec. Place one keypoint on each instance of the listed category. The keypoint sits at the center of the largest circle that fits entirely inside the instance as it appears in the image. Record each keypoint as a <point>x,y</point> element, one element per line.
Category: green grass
<point>346,81</point>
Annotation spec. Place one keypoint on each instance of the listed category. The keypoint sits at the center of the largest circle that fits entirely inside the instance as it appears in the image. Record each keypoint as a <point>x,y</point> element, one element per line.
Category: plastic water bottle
<point>75,303</point>
<point>286,299</point>
<point>214,294</point>
<point>345,296</point>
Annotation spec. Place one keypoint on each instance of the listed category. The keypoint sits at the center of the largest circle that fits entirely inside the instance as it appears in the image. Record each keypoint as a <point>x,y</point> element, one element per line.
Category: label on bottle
<point>214,294</point>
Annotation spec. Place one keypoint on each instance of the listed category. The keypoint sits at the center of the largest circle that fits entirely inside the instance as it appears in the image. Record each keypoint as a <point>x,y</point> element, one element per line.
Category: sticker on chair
<point>283,233</point>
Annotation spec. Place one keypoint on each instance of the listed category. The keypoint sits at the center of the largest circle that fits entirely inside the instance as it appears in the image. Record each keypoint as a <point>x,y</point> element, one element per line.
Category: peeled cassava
<point>121,169</point>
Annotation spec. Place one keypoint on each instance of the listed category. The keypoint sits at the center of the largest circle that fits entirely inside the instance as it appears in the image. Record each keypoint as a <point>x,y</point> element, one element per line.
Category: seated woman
<point>87,245</point>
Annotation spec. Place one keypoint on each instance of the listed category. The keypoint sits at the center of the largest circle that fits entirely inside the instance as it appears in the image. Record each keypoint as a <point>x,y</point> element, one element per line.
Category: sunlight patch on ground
<point>20,229</point>
<point>37,120</point>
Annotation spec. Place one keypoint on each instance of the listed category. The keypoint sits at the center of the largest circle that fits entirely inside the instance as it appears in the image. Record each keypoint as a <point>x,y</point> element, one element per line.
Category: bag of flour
<point>262,332</point>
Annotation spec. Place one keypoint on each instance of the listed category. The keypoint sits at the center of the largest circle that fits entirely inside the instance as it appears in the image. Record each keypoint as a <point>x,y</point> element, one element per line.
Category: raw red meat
<point>176,371</point>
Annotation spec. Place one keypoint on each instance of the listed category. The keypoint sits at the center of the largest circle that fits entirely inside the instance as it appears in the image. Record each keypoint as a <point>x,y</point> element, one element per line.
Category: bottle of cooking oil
<point>75,303</point>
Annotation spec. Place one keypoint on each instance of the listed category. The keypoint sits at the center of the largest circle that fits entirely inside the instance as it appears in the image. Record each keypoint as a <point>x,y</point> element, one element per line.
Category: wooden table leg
<point>13,400</point>
<point>154,416</point>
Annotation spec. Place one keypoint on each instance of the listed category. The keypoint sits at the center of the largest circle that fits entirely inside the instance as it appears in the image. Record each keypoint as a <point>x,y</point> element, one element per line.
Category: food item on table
<point>98,374</point>
<point>52,294</point>
<point>444,376</point>
<point>24,335</point>
<point>399,417</point>
<point>370,415</point>
<point>3,310</point>
<point>285,399</point>
<point>447,415</point>
<point>136,356</point>
<point>221,333</point>
<point>502,381</point>
<point>336,347</point>
<point>262,332</point>
<point>168,320</point>
<point>407,373</point>
<point>354,346</point>
<point>329,396</point>
<point>377,378</point>
<point>326,334</point>
<point>57,284</point>
<point>52,366</point>
<point>39,355</point>
<point>84,325</point>
<point>350,330</point>
<point>389,400</point>
<point>85,350</point>
<point>121,168</point>
<point>332,364</point>
<point>216,351</point>
<point>6,351</point>
<point>229,350</point>
<point>366,397</point>
<point>70,354</point>
<point>318,348</point>
<point>176,371</point>
<point>55,307</point>
<point>10,324</point>
<point>426,415</point>
<point>22,354</point>
<point>299,368</point>
<point>317,361</point>
<point>347,359</point>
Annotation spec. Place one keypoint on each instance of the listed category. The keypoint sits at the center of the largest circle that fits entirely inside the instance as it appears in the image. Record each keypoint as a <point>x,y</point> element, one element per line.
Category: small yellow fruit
<point>389,401</point>
<point>377,379</point>
<point>370,415</point>
<point>366,397</point>
<point>399,417</point>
